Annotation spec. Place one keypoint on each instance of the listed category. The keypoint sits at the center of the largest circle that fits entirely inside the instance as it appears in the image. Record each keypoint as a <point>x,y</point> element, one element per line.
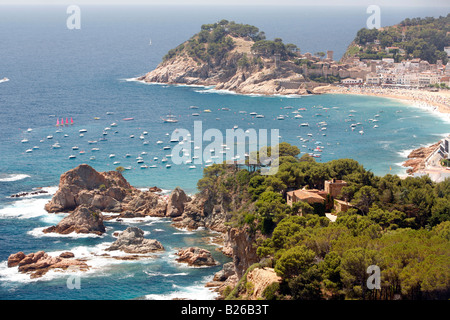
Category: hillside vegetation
<point>400,225</point>
<point>423,38</point>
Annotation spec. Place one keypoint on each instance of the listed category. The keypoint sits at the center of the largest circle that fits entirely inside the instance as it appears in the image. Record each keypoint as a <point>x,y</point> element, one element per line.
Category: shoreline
<point>438,102</point>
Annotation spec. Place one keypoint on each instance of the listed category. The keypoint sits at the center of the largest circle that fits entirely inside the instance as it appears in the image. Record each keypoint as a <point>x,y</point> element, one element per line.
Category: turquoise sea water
<point>57,73</point>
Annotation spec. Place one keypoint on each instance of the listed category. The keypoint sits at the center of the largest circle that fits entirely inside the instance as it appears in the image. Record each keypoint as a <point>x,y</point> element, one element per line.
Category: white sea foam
<point>37,233</point>
<point>24,209</point>
<point>195,292</point>
<point>14,177</point>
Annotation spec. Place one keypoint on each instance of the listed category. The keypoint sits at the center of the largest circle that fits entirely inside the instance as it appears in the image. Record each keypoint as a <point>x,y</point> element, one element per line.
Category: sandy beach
<point>438,101</point>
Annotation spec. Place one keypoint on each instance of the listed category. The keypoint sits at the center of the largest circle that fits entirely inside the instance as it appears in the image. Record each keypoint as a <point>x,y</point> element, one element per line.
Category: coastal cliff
<point>85,193</point>
<point>233,57</point>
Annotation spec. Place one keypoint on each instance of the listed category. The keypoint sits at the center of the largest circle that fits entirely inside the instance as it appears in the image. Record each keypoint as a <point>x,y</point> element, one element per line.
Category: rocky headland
<point>86,194</point>
<point>235,57</point>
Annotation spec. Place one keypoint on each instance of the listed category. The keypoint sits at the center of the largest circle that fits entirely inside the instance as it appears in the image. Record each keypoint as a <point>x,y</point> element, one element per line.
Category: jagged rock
<point>244,252</point>
<point>195,256</point>
<point>84,185</point>
<point>226,272</point>
<point>176,202</point>
<point>85,219</point>
<point>66,255</point>
<point>106,191</point>
<point>203,211</point>
<point>155,189</point>
<point>132,241</point>
<point>145,203</point>
<point>39,263</point>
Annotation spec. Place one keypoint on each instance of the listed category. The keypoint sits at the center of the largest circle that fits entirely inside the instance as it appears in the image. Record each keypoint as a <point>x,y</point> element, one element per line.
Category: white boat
<point>112,155</point>
<point>140,161</point>
<point>153,166</point>
<point>29,150</point>
<point>72,156</point>
<point>280,117</point>
<point>24,140</point>
<point>75,148</point>
<point>170,119</point>
<point>144,166</point>
<point>56,146</point>
<point>92,142</point>
<point>193,107</point>
<point>113,124</point>
<point>82,130</point>
<point>145,133</point>
<point>174,140</point>
<point>166,148</point>
<point>259,116</point>
<point>35,147</point>
<point>145,143</point>
<point>95,149</point>
<point>361,132</point>
<point>192,167</point>
<point>132,136</point>
<point>127,155</point>
<point>168,166</point>
<point>29,130</point>
<point>155,158</point>
<point>116,162</point>
<point>305,124</point>
<point>159,142</point>
<point>164,159</point>
<point>195,114</point>
<point>144,152</point>
<point>298,116</point>
<point>92,158</point>
<point>253,113</point>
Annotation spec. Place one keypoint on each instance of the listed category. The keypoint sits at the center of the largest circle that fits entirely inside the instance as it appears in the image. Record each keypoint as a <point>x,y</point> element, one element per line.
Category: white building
<point>447,50</point>
<point>373,79</point>
<point>351,81</point>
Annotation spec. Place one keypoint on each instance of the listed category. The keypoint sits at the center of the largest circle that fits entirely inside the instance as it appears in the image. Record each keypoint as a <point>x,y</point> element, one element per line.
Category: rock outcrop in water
<point>39,263</point>
<point>85,219</point>
<point>132,241</point>
<point>105,191</point>
<point>196,257</point>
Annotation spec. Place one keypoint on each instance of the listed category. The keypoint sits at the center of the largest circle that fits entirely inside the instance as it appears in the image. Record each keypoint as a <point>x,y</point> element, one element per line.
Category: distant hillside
<point>423,38</point>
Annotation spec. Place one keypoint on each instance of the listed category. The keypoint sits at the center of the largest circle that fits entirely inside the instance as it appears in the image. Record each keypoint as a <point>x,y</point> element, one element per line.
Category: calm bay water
<point>57,73</point>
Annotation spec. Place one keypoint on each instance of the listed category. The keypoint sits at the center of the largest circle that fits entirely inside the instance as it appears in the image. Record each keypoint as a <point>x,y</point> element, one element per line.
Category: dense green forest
<point>400,225</point>
<point>423,38</point>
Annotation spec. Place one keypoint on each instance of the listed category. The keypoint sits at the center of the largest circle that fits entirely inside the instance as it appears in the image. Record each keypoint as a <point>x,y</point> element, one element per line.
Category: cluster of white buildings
<point>413,73</point>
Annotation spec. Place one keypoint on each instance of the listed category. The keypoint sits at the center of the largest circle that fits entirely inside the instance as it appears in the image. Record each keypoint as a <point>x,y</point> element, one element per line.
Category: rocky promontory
<point>235,57</point>
<point>107,192</point>
<point>416,158</point>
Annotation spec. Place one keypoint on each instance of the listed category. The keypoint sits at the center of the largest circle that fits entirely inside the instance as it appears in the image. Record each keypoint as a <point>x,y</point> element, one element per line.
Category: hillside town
<point>411,73</point>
